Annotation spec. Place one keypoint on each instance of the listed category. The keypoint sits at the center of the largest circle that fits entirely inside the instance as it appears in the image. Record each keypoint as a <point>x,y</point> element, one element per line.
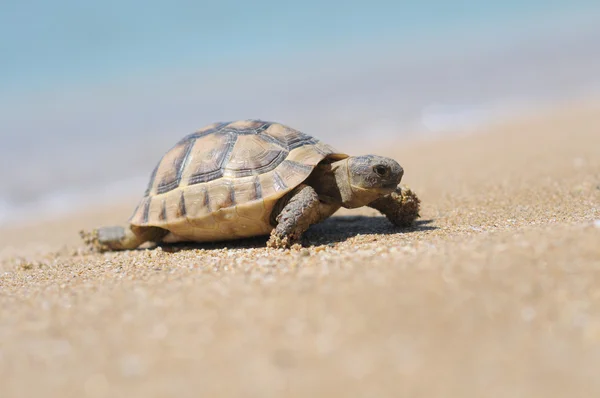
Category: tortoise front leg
<point>401,207</point>
<point>299,213</point>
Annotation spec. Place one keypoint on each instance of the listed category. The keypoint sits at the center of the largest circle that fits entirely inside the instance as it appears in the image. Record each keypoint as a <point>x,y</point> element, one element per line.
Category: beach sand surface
<point>494,292</point>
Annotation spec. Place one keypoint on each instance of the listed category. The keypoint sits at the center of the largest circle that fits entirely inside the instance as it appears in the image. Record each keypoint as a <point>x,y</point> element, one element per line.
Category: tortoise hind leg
<point>118,238</point>
<point>121,238</point>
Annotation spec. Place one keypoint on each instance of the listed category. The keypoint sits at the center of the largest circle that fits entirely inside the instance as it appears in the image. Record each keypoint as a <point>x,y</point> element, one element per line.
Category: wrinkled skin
<point>353,182</point>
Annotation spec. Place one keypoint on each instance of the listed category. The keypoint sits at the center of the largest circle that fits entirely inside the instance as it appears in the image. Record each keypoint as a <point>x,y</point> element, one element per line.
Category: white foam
<point>444,118</point>
<point>55,204</point>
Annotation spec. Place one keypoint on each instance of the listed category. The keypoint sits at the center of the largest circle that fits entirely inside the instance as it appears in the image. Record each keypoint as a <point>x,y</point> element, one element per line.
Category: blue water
<point>48,44</point>
<point>92,94</point>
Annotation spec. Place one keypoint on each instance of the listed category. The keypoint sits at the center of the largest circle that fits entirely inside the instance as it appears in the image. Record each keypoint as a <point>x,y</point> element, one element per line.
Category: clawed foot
<point>117,238</point>
<point>408,211</point>
<point>93,241</point>
<point>401,207</point>
<point>285,242</point>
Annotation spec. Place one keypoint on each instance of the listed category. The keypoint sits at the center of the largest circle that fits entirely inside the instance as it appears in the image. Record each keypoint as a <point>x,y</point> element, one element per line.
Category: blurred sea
<point>83,123</point>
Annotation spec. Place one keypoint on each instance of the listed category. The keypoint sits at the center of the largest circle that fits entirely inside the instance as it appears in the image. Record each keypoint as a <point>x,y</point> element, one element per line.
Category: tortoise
<point>250,178</point>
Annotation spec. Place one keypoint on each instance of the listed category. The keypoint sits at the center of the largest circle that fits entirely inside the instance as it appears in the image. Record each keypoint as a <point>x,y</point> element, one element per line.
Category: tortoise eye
<point>380,170</point>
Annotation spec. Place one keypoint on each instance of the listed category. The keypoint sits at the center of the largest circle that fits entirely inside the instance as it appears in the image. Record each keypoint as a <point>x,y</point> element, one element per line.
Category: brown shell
<point>222,181</point>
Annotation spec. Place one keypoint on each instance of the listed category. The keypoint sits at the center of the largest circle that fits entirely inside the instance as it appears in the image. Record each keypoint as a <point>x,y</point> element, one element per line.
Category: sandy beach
<point>494,292</point>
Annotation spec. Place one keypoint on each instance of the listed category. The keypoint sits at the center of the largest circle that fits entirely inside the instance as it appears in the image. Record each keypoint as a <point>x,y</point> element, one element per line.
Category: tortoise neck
<point>331,182</point>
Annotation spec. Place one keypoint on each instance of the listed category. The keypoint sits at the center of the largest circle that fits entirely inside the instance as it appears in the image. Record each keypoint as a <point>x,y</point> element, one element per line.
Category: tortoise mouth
<point>388,187</point>
<point>385,189</point>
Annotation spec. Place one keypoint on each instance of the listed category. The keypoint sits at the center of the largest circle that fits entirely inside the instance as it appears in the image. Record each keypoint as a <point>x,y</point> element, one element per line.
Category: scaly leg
<point>299,213</point>
<point>121,238</point>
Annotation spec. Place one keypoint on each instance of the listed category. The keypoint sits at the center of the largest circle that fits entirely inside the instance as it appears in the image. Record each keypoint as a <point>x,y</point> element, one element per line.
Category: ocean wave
<point>52,205</point>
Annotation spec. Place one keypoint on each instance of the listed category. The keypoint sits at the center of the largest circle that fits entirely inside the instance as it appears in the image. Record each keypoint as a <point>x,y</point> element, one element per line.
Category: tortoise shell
<point>223,181</point>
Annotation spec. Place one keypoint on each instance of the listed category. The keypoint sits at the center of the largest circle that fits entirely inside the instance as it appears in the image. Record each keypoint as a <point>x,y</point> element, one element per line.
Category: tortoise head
<point>370,177</point>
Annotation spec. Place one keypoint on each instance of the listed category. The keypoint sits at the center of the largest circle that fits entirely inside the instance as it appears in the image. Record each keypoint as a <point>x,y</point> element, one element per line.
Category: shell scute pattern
<point>289,137</point>
<point>222,181</point>
<point>252,155</point>
<point>171,167</point>
<point>209,153</point>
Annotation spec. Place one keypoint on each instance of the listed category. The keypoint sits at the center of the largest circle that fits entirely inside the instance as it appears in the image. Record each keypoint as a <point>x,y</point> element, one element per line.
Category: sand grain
<point>495,292</point>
